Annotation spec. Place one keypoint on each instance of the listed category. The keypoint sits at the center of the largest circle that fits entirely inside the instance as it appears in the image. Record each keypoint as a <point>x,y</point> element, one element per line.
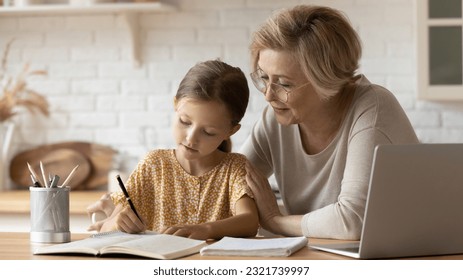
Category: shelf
<point>129,12</point>
<point>104,8</point>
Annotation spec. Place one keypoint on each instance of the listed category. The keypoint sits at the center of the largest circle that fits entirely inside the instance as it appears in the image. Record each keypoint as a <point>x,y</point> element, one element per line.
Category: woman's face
<point>281,68</point>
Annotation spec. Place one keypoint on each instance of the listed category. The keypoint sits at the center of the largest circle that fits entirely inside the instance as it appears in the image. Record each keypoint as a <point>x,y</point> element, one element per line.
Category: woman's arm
<point>244,224</point>
<point>270,216</point>
<point>257,150</point>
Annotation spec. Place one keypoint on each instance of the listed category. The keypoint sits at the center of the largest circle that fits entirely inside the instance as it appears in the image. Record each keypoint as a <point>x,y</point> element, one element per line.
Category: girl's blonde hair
<point>320,38</point>
<point>214,80</point>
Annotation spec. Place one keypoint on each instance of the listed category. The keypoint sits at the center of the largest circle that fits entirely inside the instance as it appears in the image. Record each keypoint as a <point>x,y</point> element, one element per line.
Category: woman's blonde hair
<point>320,38</point>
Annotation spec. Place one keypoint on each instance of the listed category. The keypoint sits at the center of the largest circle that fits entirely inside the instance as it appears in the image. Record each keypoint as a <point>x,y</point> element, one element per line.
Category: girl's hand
<point>123,219</point>
<point>265,198</point>
<point>127,221</point>
<point>118,218</point>
<point>104,205</point>
<point>201,231</point>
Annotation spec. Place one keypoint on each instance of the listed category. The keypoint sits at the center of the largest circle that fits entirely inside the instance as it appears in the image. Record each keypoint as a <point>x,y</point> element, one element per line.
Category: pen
<point>126,194</point>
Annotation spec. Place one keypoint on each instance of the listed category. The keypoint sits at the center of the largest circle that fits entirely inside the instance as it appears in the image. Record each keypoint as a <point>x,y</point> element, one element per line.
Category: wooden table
<point>16,246</point>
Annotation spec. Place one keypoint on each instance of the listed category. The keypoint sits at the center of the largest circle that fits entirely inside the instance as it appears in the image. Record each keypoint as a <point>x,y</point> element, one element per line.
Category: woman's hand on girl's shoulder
<point>264,197</point>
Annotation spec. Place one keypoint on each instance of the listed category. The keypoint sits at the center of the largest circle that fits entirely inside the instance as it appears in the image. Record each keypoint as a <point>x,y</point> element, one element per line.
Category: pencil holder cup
<point>49,215</point>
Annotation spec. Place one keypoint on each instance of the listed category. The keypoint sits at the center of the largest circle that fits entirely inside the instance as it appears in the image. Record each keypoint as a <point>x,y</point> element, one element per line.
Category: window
<point>440,50</point>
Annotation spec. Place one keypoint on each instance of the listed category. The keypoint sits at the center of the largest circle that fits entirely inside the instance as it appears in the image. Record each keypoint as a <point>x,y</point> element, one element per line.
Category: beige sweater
<point>330,188</point>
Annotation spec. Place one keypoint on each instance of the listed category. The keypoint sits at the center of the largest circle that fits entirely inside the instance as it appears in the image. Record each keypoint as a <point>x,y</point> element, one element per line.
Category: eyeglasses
<point>281,92</point>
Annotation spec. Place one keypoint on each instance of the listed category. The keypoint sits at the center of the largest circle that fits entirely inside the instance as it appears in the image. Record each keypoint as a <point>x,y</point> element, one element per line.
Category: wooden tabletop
<point>17,246</point>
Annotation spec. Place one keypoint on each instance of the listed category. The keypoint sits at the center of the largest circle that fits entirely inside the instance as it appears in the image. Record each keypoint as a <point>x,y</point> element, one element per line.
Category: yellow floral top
<point>166,195</point>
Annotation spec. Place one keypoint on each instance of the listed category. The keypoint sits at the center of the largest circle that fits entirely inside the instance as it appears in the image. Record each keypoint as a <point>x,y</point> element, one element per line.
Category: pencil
<point>70,176</point>
<point>126,194</point>
<point>43,174</point>
<point>36,178</point>
<point>35,182</point>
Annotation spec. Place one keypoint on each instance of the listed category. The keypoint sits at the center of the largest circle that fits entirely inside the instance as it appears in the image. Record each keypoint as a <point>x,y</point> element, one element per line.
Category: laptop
<point>414,205</point>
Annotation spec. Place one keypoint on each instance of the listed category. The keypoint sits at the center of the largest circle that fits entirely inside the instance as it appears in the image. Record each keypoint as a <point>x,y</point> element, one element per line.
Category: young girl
<point>199,189</point>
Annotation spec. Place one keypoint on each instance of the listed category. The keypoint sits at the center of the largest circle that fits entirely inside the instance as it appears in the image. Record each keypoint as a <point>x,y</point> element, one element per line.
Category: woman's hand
<point>265,198</point>
<point>270,216</point>
<point>200,232</point>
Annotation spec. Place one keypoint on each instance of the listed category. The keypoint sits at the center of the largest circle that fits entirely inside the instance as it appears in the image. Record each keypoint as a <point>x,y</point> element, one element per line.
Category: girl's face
<point>281,68</point>
<point>200,127</point>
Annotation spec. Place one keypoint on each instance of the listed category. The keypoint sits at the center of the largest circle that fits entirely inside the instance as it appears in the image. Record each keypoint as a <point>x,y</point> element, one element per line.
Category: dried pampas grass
<point>15,93</point>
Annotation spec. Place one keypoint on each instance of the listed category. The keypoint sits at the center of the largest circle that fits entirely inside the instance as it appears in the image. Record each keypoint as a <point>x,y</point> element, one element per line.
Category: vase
<point>6,136</point>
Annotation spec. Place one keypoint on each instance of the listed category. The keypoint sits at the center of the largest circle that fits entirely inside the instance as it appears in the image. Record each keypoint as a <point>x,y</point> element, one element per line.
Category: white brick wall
<point>97,95</point>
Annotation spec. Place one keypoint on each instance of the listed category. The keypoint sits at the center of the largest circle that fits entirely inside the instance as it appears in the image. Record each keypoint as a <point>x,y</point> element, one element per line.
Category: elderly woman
<point>318,133</point>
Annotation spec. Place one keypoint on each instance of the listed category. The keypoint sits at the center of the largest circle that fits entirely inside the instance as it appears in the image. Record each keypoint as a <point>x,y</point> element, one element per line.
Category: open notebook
<point>414,205</point>
<point>147,245</point>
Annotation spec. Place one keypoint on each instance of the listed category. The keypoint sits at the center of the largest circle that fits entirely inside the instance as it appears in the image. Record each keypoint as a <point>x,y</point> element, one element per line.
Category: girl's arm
<point>244,224</point>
